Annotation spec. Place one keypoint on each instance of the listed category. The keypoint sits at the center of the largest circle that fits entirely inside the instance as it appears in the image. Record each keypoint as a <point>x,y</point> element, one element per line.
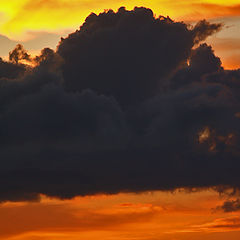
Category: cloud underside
<point>128,102</point>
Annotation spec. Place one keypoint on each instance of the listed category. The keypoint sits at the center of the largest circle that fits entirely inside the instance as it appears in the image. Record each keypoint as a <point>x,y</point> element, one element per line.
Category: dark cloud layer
<point>127,103</point>
<point>230,206</point>
<point>128,54</point>
<point>10,70</point>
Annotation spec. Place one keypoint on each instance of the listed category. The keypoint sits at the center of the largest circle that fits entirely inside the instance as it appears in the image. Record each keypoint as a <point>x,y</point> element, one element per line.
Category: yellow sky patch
<point>56,15</point>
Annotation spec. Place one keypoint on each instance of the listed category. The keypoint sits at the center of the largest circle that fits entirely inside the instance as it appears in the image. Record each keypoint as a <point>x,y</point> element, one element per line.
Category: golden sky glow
<point>25,21</point>
<point>155,215</point>
<point>18,17</point>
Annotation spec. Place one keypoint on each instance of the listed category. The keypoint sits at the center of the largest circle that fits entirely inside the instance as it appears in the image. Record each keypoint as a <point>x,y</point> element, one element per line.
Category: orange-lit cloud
<point>132,216</point>
<point>219,225</point>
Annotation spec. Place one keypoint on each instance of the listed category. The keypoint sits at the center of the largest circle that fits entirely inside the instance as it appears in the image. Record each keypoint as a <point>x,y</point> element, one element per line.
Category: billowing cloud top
<point>129,102</point>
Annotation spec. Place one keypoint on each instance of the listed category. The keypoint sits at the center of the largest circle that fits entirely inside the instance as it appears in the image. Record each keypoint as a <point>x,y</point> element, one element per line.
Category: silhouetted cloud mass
<point>10,70</point>
<point>128,54</point>
<point>128,102</point>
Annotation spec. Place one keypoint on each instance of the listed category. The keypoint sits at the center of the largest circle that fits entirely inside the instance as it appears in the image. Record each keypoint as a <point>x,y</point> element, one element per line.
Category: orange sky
<point>152,215</point>
<point>18,17</point>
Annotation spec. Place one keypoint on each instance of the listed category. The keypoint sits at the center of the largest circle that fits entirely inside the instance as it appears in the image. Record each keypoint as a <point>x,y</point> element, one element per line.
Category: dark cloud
<point>10,70</point>
<point>203,29</point>
<point>39,40</point>
<point>230,206</point>
<point>218,225</point>
<point>117,108</point>
<point>18,53</point>
<point>128,54</point>
<point>202,63</point>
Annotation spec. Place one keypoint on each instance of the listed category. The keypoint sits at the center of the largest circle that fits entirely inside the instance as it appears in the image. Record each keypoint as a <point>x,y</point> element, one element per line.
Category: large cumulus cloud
<point>128,54</point>
<point>128,102</point>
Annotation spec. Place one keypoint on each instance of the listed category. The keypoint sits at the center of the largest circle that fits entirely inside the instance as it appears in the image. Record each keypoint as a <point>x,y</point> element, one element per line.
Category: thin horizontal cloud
<point>218,10</point>
<point>219,225</point>
<point>6,45</point>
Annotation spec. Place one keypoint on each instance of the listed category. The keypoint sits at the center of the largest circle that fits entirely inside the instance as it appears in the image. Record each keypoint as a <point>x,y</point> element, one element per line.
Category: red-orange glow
<point>154,215</point>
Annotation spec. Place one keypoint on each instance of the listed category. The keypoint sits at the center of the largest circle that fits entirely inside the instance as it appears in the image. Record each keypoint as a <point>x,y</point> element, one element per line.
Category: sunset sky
<point>127,129</point>
<point>151,215</point>
<point>41,23</point>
